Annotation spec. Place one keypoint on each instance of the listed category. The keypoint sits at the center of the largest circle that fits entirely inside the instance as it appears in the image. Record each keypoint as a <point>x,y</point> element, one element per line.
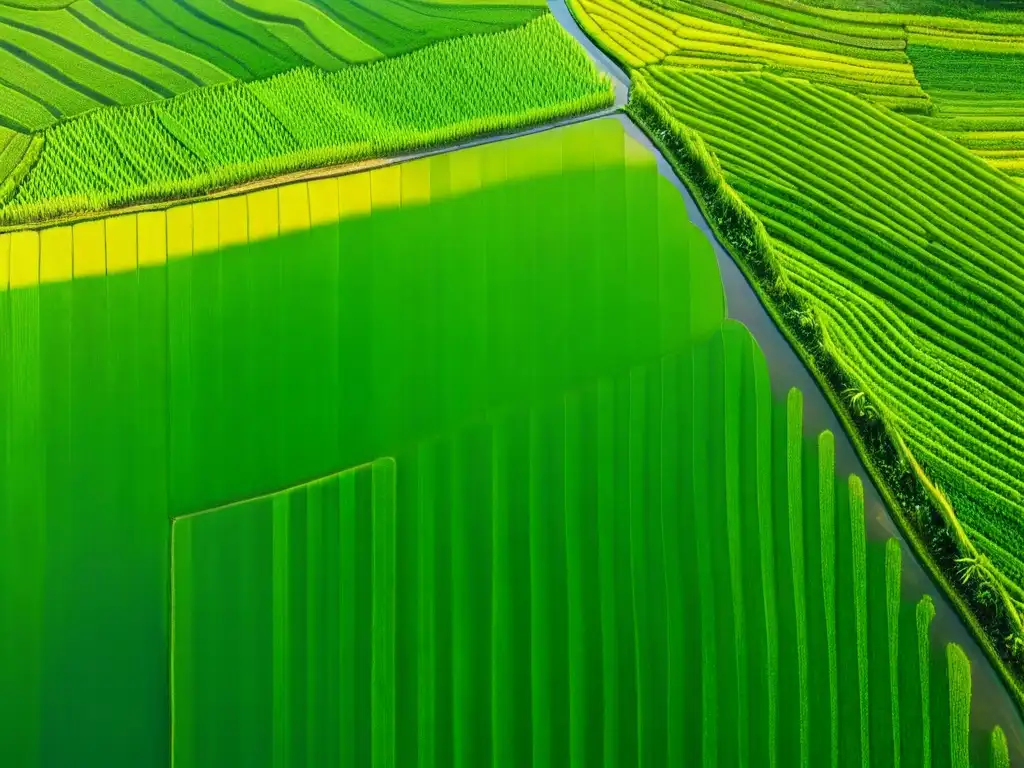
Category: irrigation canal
<point>991,703</point>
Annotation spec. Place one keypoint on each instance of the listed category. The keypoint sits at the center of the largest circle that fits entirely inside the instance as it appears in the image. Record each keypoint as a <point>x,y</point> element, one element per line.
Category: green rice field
<point>889,253</point>
<point>456,462</point>
<point>550,589</point>
<point>979,100</point>
<point>61,59</point>
<point>307,117</point>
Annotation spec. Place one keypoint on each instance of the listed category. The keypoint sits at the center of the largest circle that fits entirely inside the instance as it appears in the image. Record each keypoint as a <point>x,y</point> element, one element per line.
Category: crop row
<point>896,284</point>
<point>890,141</point>
<point>992,490</point>
<point>921,361</point>
<point>303,118</point>
<point>940,447</point>
<point>807,26</point>
<point>517,662</point>
<point>988,116</point>
<point>964,331</point>
<point>644,36</point>
<point>900,343</point>
<point>71,60</point>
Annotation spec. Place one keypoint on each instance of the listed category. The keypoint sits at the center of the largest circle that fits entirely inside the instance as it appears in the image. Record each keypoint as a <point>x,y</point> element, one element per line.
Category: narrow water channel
<point>991,703</point>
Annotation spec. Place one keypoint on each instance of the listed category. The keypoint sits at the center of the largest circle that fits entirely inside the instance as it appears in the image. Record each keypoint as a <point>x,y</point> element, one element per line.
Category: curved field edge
<point>306,118</point>
<point>784,310</point>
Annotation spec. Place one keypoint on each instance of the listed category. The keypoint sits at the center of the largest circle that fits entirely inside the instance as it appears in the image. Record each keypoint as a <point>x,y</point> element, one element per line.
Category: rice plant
<point>925,614</point>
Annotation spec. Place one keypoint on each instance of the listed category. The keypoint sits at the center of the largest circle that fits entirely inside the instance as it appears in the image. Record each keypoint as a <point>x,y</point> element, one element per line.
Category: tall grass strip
<point>578,688</point>
<point>827,518</point>
<point>464,731</point>
<point>705,572</point>
<point>638,555</point>
<point>860,584</point>
<point>959,706</point>
<point>426,500</point>
<point>765,534</point>
<point>734,351</point>
<point>501,599</point>
<point>672,505</point>
<point>606,496</point>
<point>794,488</point>
<point>282,746</point>
<point>925,614</point>
<point>540,597</point>
<point>383,670</point>
<point>999,754</point>
<point>893,574</point>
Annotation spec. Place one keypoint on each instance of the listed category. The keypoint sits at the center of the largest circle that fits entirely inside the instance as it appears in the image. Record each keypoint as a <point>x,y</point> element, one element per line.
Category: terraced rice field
<point>979,101</point>
<point>307,118</point>
<point>192,384</point>
<point>959,77</point>
<point>893,252</point>
<point>60,59</point>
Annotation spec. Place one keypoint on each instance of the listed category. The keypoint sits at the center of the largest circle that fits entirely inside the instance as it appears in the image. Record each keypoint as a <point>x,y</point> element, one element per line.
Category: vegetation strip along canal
<point>991,703</point>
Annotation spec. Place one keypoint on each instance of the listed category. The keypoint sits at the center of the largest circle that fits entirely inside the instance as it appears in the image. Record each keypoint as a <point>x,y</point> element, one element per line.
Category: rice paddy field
<point>91,121</point>
<point>979,101</point>
<point>61,59</point>
<point>886,240</point>
<point>460,460</point>
<point>253,515</point>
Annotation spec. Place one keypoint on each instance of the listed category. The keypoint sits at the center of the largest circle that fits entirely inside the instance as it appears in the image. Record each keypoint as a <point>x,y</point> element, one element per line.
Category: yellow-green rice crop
<point>304,118</point>
<point>61,59</point>
<point>924,614</point>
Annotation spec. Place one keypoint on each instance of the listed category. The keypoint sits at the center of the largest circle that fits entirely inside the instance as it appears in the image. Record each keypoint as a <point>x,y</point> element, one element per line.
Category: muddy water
<point>991,703</point>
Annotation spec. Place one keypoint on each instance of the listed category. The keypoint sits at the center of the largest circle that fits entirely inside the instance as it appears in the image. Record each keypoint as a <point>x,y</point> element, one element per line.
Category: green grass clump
<point>306,118</point>
<point>858,561</point>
